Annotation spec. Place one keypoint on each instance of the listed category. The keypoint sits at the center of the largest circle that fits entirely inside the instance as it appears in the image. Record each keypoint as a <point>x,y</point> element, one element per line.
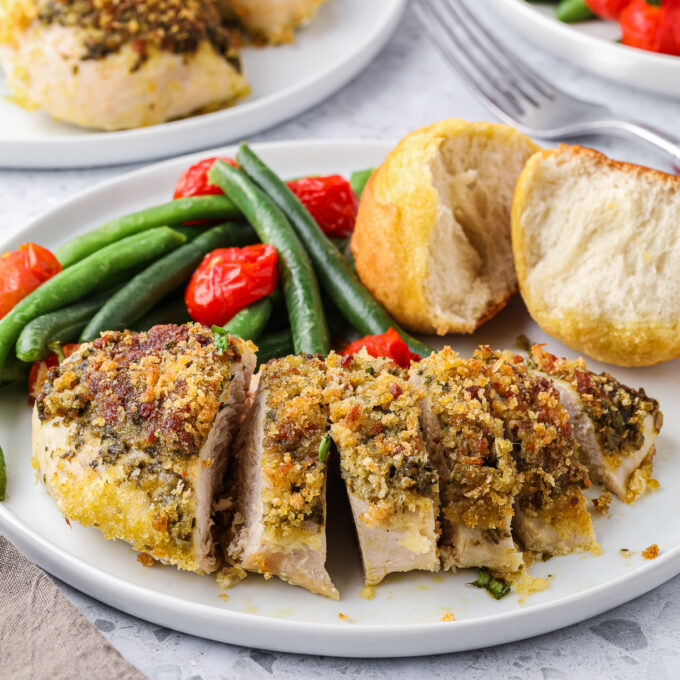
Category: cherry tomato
<point>669,30</point>
<point>640,25</point>
<point>40,368</point>
<point>22,271</point>
<point>331,201</point>
<point>388,345</point>
<point>607,9</point>
<point>230,279</point>
<point>194,180</point>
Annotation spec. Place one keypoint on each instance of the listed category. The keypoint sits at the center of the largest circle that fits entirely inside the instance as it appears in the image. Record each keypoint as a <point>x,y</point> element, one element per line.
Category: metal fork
<point>515,92</point>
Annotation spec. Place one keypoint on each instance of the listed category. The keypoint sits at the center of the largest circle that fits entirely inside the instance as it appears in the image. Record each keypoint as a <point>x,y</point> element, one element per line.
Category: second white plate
<point>285,81</point>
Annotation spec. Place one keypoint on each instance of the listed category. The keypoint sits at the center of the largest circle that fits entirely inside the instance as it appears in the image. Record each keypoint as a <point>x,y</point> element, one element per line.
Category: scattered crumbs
<point>595,550</point>
<point>625,553</point>
<point>602,502</point>
<point>230,576</point>
<point>527,585</point>
<point>437,579</point>
<point>522,343</point>
<point>653,484</point>
<point>252,609</point>
<point>447,616</point>
<point>343,617</point>
<point>145,559</point>
<point>68,521</point>
<point>368,592</point>
<point>224,596</point>
<point>651,553</point>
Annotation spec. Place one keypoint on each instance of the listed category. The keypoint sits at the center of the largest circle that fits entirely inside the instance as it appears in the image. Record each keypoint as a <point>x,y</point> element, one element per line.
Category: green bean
<point>274,345</point>
<point>173,311</point>
<point>63,325</point>
<point>13,371</point>
<point>160,278</point>
<point>175,212</point>
<point>3,475</point>
<point>300,287</point>
<point>571,11</point>
<point>337,277</point>
<point>358,180</point>
<point>76,282</point>
<point>251,321</point>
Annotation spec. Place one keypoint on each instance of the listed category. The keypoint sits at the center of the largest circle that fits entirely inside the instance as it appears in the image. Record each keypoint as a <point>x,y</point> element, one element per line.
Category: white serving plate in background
<point>591,45</point>
<point>285,81</point>
<point>403,618</point>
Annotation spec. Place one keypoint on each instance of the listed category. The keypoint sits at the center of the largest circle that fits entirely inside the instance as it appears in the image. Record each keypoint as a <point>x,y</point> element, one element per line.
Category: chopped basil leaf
<point>221,339</point>
<point>170,345</point>
<point>324,448</point>
<point>494,586</point>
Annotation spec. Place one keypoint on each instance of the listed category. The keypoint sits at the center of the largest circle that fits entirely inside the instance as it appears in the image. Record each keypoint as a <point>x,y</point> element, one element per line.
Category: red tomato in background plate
<point>331,202</point>
<point>388,345</point>
<point>669,30</point>
<point>22,271</point>
<point>39,370</point>
<point>230,279</point>
<point>607,9</point>
<point>640,25</point>
<point>194,180</point>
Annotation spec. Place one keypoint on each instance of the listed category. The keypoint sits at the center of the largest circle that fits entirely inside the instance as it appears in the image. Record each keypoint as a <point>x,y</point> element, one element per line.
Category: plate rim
<point>305,637</point>
<point>293,101</point>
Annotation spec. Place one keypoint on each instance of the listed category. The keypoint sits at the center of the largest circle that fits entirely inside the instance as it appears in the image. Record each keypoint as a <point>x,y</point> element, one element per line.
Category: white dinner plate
<point>285,80</point>
<point>404,616</point>
<point>593,46</point>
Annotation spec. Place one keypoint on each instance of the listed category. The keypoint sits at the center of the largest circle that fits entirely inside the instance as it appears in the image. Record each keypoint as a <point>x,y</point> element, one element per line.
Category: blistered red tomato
<point>230,279</point>
<point>39,370</point>
<point>194,180</point>
<point>607,9</point>
<point>331,202</point>
<point>388,345</point>
<point>669,30</point>
<point>22,271</point>
<point>640,25</point>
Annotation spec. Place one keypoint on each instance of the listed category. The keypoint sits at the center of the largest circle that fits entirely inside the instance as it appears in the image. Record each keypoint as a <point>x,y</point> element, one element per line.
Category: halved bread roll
<point>597,256</point>
<point>432,239</point>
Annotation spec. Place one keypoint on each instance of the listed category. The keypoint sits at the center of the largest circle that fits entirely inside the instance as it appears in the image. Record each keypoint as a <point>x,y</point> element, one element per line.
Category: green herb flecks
<point>3,476</point>
<point>324,448</point>
<point>494,586</point>
<point>221,339</point>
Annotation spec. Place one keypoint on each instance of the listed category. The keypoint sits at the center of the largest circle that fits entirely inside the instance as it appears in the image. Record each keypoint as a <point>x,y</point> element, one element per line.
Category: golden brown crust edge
<point>618,343</point>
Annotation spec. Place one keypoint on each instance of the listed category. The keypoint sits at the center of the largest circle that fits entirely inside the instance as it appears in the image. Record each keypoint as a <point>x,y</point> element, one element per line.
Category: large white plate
<point>285,81</point>
<point>404,617</point>
<point>592,46</point>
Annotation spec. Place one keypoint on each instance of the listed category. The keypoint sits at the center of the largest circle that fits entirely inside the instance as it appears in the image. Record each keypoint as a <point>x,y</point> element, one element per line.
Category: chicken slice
<point>163,60</point>
<point>615,425</point>
<point>550,510</point>
<point>270,20</point>
<point>132,433</point>
<point>477,475</point>
<point>279,526</point>
<point>391,483</point>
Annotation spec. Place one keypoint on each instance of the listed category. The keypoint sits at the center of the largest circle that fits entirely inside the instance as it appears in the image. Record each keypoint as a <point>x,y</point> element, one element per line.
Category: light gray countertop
<point>407,86</point>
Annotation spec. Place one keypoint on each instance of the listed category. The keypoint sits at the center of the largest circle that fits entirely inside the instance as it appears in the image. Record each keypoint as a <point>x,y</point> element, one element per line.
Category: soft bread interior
<point>471,272</point>
<point>597,239</point>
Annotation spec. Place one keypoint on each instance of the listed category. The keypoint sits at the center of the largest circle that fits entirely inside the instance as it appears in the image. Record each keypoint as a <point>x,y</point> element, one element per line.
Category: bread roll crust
<point>398,212</point>
<point>615,340</point>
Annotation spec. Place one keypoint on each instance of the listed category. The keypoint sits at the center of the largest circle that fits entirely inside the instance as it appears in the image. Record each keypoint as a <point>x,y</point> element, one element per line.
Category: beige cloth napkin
<point>42,635</point>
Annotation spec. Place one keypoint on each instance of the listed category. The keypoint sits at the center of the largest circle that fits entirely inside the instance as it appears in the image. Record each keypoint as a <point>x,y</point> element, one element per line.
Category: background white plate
<point>592,46</point>
<point>285,80</point>
<point>404,617</point>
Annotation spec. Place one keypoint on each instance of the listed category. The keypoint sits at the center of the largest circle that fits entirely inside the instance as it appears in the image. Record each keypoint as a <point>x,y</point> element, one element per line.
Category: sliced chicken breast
<point>271,20</point>
<point>132,434</point>
<point>112,66</point>
<point>279,526</point>
<point>478,478</point>
<point>550,510</point>
<point>391,483</point>
<point>615,425</point>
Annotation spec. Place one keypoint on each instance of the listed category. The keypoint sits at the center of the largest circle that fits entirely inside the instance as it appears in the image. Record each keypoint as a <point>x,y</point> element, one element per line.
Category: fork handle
<point>652,135</point>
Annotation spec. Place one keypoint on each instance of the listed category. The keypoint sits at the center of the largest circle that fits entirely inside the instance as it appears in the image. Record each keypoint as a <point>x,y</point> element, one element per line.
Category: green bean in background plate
<point>63,326</point>
<point>358,180</point>
<point>172,310</point>
<point>571,11</point>
<point>163,276</point>
<point>175,212</point>
<point>300,287</point>
<point>336,275</point>
<point>74,283</point>
<point>251,321</point>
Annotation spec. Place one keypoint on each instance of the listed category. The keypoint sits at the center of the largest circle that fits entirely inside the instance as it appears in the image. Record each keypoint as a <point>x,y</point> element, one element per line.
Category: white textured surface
<point>407,86</point>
